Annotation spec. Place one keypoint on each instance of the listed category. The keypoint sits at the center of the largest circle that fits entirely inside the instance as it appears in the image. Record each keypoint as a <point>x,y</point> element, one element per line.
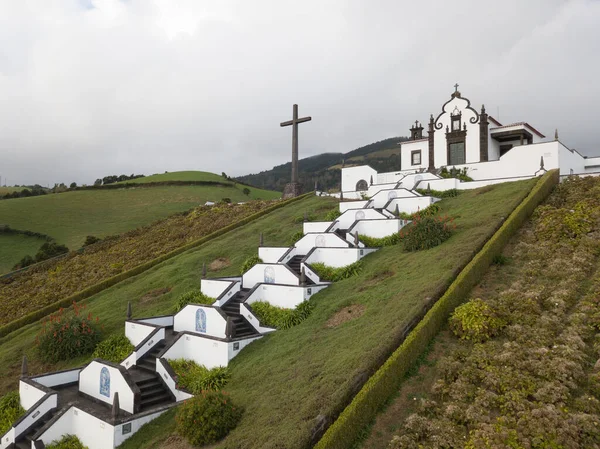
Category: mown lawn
<point>14,246</point>
<point>287,379</point>
<point>69,217</point>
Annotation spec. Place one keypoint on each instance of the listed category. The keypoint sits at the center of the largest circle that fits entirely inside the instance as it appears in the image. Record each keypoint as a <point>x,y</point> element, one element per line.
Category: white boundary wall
<point>411,205</point>
<point>270,274</point>
<point>213,288</point>
<point>185,320</point>
<point>324,240</point>
<point>345,205</point>
<point>351,215</point>
<point>315,226</point>
<point>61,378</point>
<point>377,228</point>
<point>137,332</point>
<point>89,383</point>
<point>285,296</point>
<point>338,257</point>
<point>158,321</point>
<point>270,254</point>
<point>29,395</point>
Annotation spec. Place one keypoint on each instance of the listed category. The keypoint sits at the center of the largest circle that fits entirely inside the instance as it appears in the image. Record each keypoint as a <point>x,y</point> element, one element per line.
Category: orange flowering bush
<point>207,417</point>
<point>67,333</point>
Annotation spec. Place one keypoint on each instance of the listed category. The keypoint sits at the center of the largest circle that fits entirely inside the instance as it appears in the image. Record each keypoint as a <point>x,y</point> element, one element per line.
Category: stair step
<point>156,399</point>
<point>148,383</point>
<point>158,389</point>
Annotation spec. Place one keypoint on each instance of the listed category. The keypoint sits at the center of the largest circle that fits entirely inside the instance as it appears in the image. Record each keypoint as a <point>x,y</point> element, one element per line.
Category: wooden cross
<point>294,122</point>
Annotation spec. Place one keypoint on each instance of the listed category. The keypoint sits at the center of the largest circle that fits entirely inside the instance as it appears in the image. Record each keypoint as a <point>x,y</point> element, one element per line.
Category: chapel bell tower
<point>416,131</point>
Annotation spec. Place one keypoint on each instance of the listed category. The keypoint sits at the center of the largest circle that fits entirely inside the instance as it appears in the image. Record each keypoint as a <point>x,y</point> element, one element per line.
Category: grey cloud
<point>145,87</point>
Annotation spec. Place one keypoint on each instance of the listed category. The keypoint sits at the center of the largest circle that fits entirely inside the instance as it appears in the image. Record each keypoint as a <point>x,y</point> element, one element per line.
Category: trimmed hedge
<point>94,289</point>
<point>386,381</point>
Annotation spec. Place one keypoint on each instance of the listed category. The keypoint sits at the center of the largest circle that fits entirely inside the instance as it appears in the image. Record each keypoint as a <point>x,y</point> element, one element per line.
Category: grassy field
<point>69,217</point>
<point>179,176</point>
<point>287,379</point>
<point>9,189</point>
<point>533,384</point>
<point>14,246</point>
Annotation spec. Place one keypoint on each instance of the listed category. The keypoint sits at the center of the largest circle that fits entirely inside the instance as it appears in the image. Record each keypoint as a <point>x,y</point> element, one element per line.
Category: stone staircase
<point>24,441</point>
<point>243,329</point>
<point>294,264</point>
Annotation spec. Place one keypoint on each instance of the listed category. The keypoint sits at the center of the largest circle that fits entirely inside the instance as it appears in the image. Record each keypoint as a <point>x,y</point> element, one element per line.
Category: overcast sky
<point>96,87</point>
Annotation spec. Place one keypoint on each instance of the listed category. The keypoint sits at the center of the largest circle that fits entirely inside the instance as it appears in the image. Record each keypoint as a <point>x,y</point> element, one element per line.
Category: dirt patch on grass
<point>345,315</point>
<point>153,294</point>
<point>376,278</point>
<point>175,442</point>
<point>219,264</point>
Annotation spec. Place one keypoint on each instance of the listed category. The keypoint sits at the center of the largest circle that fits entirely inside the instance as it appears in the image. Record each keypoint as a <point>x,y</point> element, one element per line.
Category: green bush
<point>67,442</point>
<point>458,173</point>
<point>90,240</point>
<point>429,211</point>
<point>115,348</point>
<point>197,378</point>
<point>207,418</point>
<point>226,200</point>
<point>280,318</point>
<point>371,242</point>
<point>333,214</point>
<point>295,237</point>
<point>475,321</point>
<point>327,273</point>
<point>49,250</point>
<point>192,297</point>
<point>250,262</point>
<point>10,411</point>
<point>386,381</point>
<point>450,193</point>
<point>66,334</point>
<point>426,232</point>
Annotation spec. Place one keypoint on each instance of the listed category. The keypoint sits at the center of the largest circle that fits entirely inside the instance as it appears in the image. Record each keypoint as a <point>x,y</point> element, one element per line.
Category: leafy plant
<point>90,240</point>
<point>295,237</point>
<point>67,442</point>
<point>475,321</point>
<point>426,232</point>
<point>281,318</point>
<point>197,378</point>
<point>458,173</point>
<point>250,262</point>
<point>66,334</point>
<point>328,273</point>
<point>372,242</point>
<point>450,193</point>
<point>192,297</point>
<point>207,417</point>
<point>115,348</point>
<point>333,214</point>
<point>226,200</point>
<point>10,411</point>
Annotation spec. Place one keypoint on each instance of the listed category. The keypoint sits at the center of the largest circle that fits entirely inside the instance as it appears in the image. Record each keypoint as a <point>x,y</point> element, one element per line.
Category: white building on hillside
<point>462,137</point>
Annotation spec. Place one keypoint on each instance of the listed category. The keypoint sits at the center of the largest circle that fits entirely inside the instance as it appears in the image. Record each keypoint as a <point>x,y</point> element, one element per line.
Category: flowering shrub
<point>207,417</point>
<point>10,410</point>
<point>476,321</point>
<point>197,378</point>
<point>250,262</point>
<point>67,333</point>
<point>67,442</point>
<point>192,297</point>
<point>281,318</point>
<point>114,349</point>
<point>426,232</point>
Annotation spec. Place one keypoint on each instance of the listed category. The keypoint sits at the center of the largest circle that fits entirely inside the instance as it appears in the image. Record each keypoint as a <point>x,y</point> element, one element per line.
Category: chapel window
<point>415,157</point>
<point>456,154</point>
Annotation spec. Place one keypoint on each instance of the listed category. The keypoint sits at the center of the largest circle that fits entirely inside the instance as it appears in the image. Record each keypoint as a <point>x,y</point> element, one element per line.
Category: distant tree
<point>98,182</point>
<point>224,175</point>
<point>90,240</point>
<point>226,200</point>
<point>26,192</point>
<point>73,185</point>
<point>246,191</point>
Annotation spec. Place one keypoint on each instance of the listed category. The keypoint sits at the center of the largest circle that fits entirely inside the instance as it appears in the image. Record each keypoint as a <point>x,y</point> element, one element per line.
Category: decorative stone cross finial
<point>556,134</point>
<point>129,312</point>
<point>261,240</point>
<point>456,87</point>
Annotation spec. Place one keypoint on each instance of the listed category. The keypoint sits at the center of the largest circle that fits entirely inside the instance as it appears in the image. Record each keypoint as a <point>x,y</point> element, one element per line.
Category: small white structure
<point>462,138</point>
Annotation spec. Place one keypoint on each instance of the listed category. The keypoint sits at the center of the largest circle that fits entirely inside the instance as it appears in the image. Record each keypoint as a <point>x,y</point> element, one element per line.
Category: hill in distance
<point>325,168</point>
<point>70,216</point>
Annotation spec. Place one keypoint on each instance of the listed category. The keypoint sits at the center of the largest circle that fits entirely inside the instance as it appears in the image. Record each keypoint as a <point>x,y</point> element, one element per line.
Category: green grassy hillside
<point>289,378</point>
<point>178,176</point>
<point>69,217</point>
<point>8,189</point>
<point>14,247</point>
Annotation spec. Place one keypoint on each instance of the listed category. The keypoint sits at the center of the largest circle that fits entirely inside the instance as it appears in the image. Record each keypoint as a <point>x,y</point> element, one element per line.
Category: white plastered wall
<point>29,394</point>
<point>410,205</point>
<point>406,154</point>
<point>213,288</point>
<point>89,383</point>
<point>93,432</point>
<point>203,351</point>
<point>377,228</point>
<point>137,332</point>
<point>185,320</point>
<point>270,254</point>
<point>338,257</point>
<point>350,216</point>
<point>351,176</point>
<point>269,273</point>
<point>310,241</point>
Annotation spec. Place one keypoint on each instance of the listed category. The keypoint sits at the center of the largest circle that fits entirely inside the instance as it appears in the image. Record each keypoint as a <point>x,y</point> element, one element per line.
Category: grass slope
<point>176,276</point>
<point>8,189</point>
<point>14,247</point>
<point>287,379</point>
<point>178,176</point>
<point>69,217</point>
